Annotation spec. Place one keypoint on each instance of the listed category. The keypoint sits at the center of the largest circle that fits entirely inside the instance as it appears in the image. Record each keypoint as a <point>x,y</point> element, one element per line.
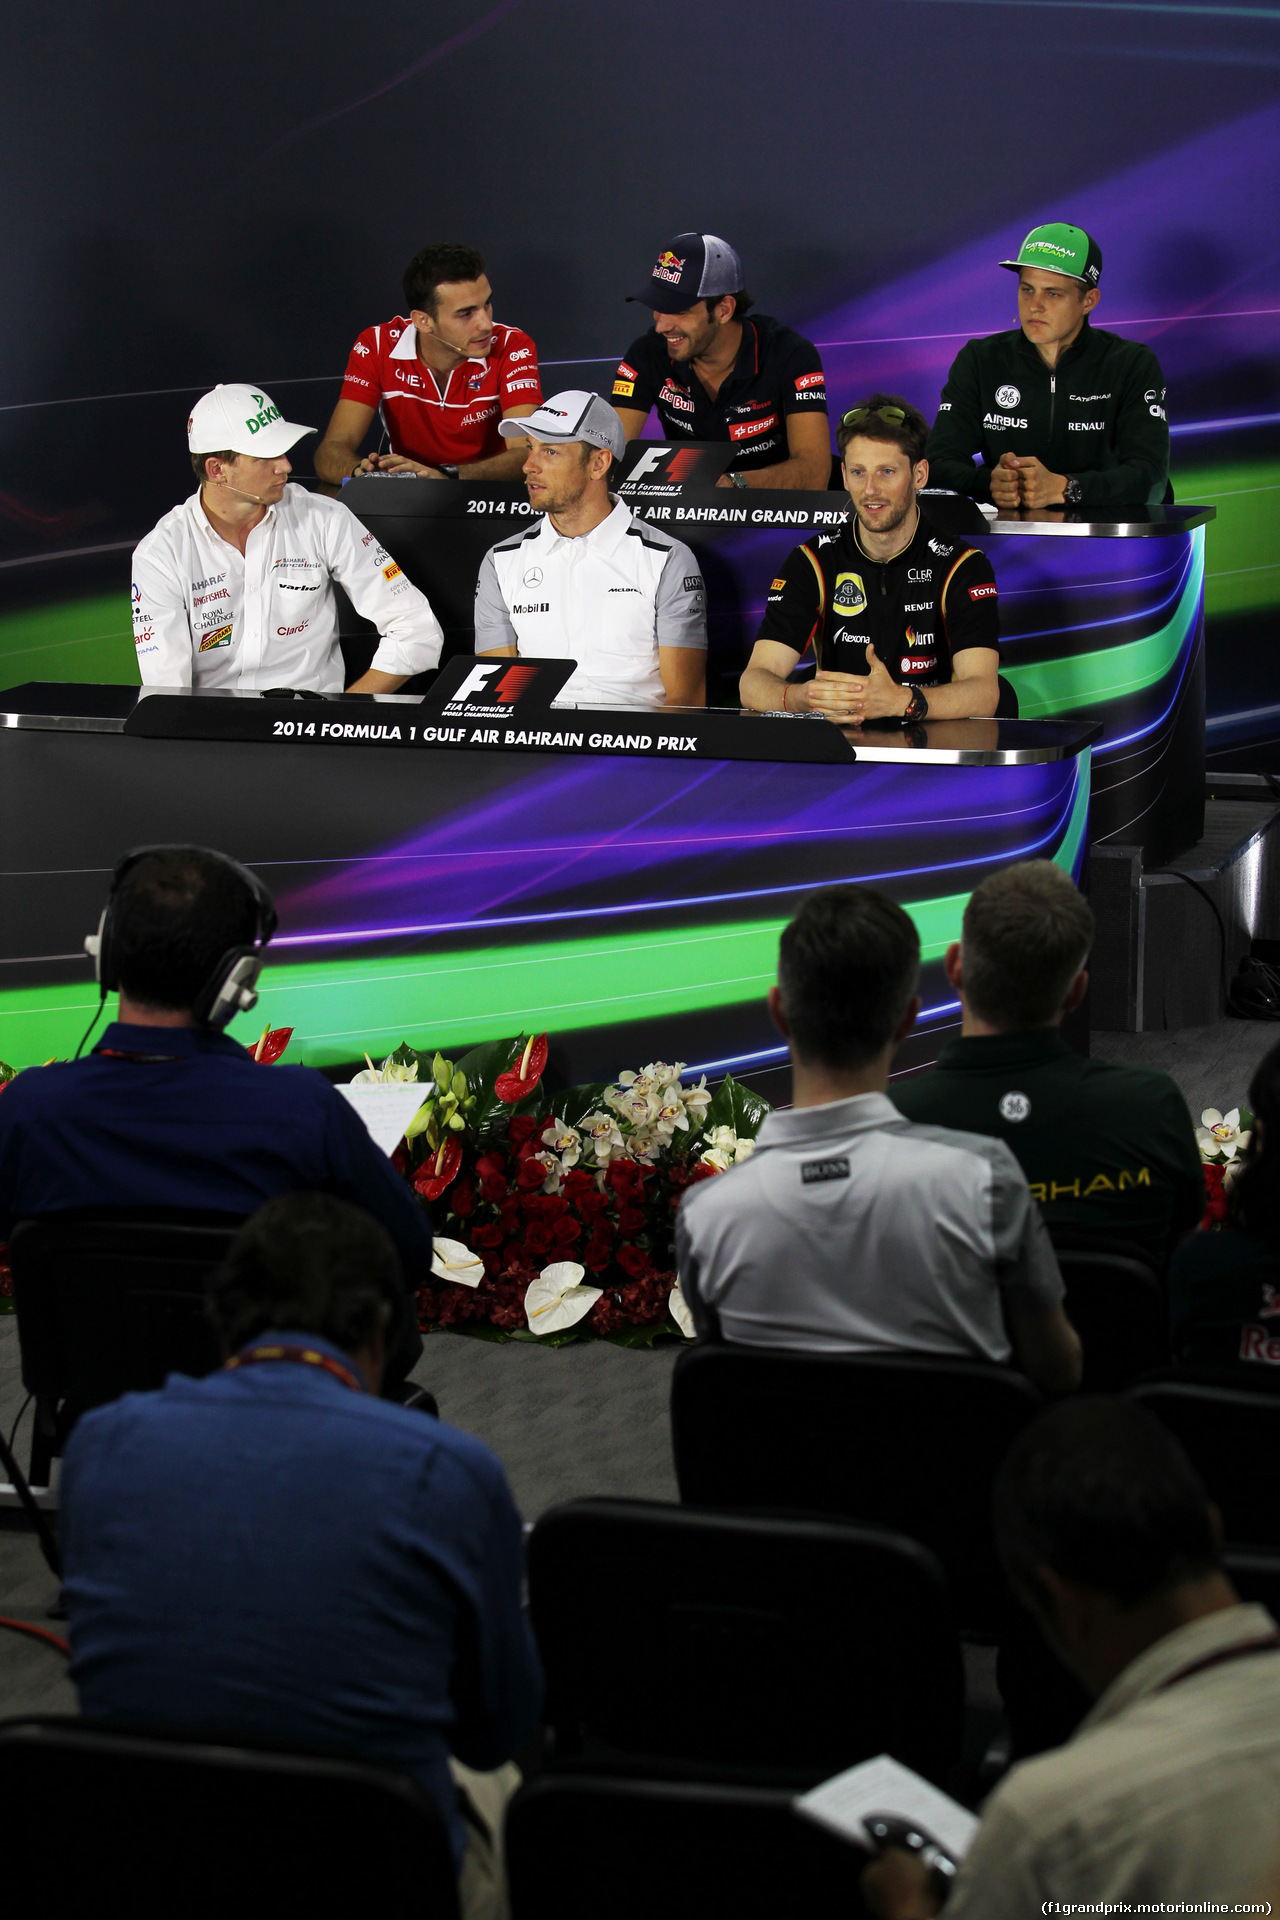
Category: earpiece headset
<point>232,986</point>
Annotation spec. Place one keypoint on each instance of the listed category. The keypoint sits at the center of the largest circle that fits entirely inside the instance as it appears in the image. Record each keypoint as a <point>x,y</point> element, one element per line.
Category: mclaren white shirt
<point>607,599</point>
<point>204,615</point>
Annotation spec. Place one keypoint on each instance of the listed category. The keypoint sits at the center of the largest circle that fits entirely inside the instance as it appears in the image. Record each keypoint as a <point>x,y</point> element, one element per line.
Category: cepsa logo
<point>752,429</point>
<point>810,380</point>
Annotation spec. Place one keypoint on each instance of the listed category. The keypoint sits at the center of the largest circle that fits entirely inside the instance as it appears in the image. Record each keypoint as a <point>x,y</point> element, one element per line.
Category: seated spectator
<point>1224,1288</point>
<point>275,1553</point>
<point>850,1229</point>
<point>441,377</point>
<point>170,1112</point>
<point>1168,1790</point>
<point>1109,1151</point>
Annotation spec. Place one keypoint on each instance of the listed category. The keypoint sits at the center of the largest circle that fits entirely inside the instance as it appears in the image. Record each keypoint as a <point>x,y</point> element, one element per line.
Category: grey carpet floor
<point>565,1421</point>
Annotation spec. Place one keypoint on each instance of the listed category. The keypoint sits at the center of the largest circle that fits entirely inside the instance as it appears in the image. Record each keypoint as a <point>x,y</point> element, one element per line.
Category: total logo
<point>1008,397</point>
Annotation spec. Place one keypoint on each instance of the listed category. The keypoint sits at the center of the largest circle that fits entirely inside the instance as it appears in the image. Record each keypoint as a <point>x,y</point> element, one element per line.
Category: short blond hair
<point>1027,932</point>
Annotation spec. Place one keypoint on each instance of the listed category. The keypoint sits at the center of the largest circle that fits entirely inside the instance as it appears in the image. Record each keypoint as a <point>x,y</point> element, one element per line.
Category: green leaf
<point>405,1055</point>
<point>664,1329</point>
<point>480,1330</point>
<point>489,1116</point>
<point>442,1072</point>
<point>575,1103</point>
<point>736,1106</point>
<point>7,1074</point>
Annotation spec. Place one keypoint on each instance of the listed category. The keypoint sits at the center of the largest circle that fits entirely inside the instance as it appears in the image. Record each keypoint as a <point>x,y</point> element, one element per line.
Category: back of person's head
<point>1027,932</point>
<point>889,418</point>
<point>847,968</point>
<point>1096,1489</point>
<point>1253,1198</point>
<point>445,264</point>
<point>307,1263</point>
<point>174,915</point>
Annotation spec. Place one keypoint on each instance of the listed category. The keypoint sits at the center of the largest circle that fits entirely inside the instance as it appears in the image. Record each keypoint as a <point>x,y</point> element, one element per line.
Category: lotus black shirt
<point>919,609</point>
<point>777,372</point>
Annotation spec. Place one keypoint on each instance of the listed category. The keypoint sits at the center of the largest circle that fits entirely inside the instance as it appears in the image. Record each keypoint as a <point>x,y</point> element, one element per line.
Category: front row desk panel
<point>1100,619</point>
<point>450,872</point>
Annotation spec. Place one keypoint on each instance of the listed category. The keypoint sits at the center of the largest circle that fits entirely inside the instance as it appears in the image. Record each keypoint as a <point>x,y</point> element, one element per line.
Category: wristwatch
<point>739,479</point>
<point>449,471</point>
<point>1072,491</point>
<point>917,708</point>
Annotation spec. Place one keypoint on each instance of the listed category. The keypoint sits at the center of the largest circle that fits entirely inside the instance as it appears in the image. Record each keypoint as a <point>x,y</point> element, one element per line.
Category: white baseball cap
<point>574,415</point>
<point>236,419</point>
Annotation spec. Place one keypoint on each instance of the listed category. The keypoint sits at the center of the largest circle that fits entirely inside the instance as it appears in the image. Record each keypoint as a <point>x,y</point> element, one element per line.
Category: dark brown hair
<point>1027,932</point>
<point>847,968</point>
<point>437,266</point>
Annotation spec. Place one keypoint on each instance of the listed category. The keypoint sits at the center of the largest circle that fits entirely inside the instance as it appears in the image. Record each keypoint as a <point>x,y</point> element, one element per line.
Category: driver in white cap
<point>234,588</point>
<point>589,582</point>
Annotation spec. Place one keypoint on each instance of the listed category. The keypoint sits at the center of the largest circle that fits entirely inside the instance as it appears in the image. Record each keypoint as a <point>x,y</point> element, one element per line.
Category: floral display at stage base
<point>555,1214</point>
<point>1222,1139</point>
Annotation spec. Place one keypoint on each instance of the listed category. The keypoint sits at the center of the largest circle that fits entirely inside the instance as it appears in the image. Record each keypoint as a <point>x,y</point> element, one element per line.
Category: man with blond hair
<point>1109,1151</point>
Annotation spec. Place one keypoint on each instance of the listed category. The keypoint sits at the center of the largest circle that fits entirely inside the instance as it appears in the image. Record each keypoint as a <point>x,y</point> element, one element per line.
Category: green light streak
<point>339,1008</point>
<point>76,641</point>
<point>1242,569</point>
<point>1081,681</point>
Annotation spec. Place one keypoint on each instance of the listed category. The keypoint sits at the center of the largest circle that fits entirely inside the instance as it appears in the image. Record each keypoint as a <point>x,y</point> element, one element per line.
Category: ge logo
<point>1007,397</point>
<point>1149,395</point>
<point>533,578</point>
<point>1014,1106</point>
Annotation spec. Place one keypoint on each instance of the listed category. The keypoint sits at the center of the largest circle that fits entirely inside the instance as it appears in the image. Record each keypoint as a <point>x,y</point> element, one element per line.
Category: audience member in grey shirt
<point>852,1229</point>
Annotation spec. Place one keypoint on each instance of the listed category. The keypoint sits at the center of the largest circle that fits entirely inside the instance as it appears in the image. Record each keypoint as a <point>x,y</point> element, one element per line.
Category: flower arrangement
<point>1221,1138</point>
<point>555,1214</point>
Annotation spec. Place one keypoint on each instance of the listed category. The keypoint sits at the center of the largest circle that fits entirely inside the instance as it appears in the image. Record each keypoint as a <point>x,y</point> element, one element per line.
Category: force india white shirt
<point>607,599</point>
<point>204,615</point>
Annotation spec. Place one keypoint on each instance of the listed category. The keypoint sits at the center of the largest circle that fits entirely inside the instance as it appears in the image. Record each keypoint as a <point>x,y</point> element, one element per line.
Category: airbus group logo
<point>1008,397</point>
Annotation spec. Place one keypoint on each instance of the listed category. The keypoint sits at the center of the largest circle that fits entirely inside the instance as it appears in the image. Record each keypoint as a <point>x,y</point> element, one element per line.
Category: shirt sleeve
<point>680,605</point>
<point>410,638</point>
<point>970,604</point>
<point>998,1875</point>
<point>705,1322</point>
<point>794,608</point>
<point>804,384</point>
<point>957,431</point>
<point>1026,1264</point>
<point>633,384</point>
<point>360,381</point>
<point>519,383</point>
<point>161,623</point>
<point>360,1172</point>
<point>492,621</point>
<point>1142,442</point>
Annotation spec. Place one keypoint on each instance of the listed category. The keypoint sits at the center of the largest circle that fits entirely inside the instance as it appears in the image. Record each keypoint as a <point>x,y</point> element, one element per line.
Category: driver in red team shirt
<point>444,377</point>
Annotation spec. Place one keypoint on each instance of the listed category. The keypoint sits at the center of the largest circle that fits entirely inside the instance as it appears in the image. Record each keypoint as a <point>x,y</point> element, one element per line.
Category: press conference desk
<point>619,879</point>
<point>1101,618</point>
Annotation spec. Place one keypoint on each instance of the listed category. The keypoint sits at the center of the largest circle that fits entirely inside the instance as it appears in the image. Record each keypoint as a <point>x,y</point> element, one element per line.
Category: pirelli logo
<point>624,388</point>
<point>814,1172</point>
<point>220,637</point>
<point>776,586</point>
<point>390,571</point>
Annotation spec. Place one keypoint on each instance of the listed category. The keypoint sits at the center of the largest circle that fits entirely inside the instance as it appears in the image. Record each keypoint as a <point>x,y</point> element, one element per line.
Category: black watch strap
<point>917,708</point>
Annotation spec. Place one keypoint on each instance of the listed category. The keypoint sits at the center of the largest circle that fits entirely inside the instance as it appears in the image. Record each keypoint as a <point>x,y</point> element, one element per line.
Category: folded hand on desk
<point>851,698</point>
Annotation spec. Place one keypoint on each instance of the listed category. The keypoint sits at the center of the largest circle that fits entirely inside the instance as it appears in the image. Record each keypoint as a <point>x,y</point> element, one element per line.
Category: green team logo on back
<point>850,595</point>
<point>265,416</point>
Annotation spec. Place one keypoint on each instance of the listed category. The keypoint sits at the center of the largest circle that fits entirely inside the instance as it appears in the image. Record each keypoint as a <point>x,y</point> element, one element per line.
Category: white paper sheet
<point>386,1110</point>
<point>883,1785</point>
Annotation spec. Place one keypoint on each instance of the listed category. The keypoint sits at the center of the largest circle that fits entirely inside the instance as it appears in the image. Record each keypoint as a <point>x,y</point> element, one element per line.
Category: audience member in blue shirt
<point>169,1112</point>
<point>274,1551</point>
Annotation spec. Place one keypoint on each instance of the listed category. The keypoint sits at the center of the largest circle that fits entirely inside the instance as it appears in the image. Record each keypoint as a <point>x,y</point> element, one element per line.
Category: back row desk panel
<point>617,879</point>
<point>1100,619</point>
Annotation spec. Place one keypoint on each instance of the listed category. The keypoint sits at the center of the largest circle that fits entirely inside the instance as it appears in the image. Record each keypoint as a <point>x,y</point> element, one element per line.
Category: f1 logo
<point>475,682</point>
<point>648,463</point>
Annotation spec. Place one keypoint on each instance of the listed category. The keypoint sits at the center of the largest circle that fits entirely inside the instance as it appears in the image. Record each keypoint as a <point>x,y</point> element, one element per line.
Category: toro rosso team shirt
<point>205,615</point>
<point>918,610</point>
<point>607,599</point>
<point>433,417</point>
<point>777,372</point>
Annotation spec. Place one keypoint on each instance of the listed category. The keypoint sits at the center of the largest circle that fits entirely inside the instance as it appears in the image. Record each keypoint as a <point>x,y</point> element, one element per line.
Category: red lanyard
<point>1268,1643</point>
<point>302,1356</point>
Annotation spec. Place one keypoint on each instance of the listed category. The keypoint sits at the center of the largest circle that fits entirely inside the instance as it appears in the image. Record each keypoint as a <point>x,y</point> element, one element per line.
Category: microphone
<point>243,496</point>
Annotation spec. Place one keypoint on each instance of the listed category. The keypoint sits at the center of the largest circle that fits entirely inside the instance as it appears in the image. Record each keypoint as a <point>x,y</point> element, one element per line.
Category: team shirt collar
<point>980,1051</point>
<point>797,1126</point>
<point>206,526</point>
<point>1161,1664</point>
<point>604,538</point>
<point>406,348</point>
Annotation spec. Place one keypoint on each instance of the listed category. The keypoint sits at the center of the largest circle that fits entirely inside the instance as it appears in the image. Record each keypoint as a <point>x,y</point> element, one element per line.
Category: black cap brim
<point>661,299</point>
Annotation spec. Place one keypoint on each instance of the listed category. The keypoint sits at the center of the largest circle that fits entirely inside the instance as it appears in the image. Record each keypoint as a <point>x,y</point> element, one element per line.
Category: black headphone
<point>231,987</point>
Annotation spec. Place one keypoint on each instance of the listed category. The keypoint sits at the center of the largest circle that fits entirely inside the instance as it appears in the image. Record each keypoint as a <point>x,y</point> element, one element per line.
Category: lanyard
<point>302,1356</point>
<point>1268,1643</point>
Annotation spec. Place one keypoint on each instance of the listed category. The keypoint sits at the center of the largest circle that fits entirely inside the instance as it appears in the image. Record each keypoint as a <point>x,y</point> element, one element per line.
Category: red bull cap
<point>696,266</point>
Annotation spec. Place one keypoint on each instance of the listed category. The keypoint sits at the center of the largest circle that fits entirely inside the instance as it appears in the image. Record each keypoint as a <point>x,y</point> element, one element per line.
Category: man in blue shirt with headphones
<point>169,1111</point>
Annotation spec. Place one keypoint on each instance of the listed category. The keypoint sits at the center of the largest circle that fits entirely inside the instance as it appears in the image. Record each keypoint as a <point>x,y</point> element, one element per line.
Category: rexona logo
<point>850,595</point>
<point>266,414</point>
<point>1008,397</point>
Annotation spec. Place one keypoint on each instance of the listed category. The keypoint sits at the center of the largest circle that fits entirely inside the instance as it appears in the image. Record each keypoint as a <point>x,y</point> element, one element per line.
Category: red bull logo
<point>668,259</point>
<point>669,266</point>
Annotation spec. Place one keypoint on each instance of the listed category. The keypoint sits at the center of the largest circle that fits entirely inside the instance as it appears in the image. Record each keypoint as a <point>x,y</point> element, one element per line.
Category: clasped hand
<point>396,463</point>
<point>1023,481</point>
<point>851,698</point>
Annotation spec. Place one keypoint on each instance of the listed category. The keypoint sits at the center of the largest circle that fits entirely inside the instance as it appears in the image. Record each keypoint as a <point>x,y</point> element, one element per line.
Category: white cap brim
<point>272,441</point>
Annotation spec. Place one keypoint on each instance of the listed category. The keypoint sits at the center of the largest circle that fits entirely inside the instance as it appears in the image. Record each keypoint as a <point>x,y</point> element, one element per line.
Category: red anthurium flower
<point>272,1044</point>
<point>440,1171</point>
<point>520,1080</point>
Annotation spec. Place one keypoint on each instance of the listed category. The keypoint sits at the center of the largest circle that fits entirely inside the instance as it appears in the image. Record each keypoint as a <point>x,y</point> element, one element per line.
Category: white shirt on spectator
<point>205,615</point>
<point>853,1230</point>
<point>607,599</point>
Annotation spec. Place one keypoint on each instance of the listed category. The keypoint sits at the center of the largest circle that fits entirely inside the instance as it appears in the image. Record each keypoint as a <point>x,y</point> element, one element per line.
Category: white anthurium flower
<point>557,1300</point>
<point>715,1157</point>
<point>451,1260</point>
<point>743,1149</point>
<point>387,1074</point>
<point>678,1308</point>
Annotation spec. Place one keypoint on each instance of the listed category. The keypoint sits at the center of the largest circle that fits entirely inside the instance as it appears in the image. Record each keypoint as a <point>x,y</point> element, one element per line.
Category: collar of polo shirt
<point>406,348</point>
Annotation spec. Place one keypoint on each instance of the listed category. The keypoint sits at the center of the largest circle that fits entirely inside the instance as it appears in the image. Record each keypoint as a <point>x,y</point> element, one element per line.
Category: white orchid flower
<point>451,1260</point>
<point>564,1142</point>
<point>678,1307</point>
<point>557,1300</point>
<point>603,1135</point>
<point>1220,1135</point>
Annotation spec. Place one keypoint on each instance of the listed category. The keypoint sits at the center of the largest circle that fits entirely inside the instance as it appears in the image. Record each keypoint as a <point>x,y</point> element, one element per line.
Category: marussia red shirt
<point>433,418</point>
